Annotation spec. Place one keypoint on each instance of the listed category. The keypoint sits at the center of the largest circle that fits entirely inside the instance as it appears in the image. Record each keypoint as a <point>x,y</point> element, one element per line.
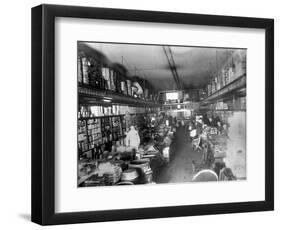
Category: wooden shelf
<point>119,129</point>
<point>88,95</point>
<point>236,84</point>
<point>97,117</point>
<point>178,103</point>
<point>229,110</point>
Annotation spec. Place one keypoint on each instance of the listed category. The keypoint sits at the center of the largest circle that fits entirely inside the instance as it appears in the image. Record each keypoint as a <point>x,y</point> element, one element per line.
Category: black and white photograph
<point>150,114</point>
<point>141,114</point>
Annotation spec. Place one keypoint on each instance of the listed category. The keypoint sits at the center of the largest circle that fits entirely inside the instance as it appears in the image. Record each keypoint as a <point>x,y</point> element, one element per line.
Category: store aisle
<point>180,167</point>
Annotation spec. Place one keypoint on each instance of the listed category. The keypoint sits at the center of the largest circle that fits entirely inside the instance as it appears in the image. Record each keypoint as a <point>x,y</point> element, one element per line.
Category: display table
<point>155,160</point>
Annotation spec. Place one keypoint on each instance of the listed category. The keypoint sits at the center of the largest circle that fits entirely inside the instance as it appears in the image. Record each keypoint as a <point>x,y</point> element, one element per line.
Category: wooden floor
<point>180,167</point>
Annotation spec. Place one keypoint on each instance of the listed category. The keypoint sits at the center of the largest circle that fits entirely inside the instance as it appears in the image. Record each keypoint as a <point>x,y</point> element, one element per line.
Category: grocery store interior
<point>151,114</point>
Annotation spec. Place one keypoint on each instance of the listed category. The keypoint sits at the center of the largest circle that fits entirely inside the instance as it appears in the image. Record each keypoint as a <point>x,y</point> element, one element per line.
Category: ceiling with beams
<point>194,65</point>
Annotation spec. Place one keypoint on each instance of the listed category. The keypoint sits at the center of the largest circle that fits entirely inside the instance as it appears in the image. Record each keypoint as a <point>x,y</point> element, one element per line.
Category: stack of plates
<point>111,178</point>
<point>129,175</point>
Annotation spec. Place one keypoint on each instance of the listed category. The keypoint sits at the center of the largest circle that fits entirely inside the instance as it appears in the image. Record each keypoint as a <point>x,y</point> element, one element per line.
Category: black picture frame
<point>43,113</point>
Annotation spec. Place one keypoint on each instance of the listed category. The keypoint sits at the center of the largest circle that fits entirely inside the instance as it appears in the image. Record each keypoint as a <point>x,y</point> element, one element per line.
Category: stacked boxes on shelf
<point>116,128</point>
<point>233,68</point>
<point>124,89</point>
<point>79,70</point>
<point>94,131</point>
<point>109,75</point>
<point>95,71</point>
<point>85,77</point>
<point>237,103</point>
<point>221,106</point>
<point>129,85</point>
<point>82,136</point>
<point>98,131</point>
<point>99,126</point>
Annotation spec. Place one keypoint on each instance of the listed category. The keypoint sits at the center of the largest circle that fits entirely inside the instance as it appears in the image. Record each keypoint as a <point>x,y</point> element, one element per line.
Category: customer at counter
<point>168,140</point>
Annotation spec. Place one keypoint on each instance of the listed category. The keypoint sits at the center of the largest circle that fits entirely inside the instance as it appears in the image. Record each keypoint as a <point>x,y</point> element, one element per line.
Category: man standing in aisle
<point>133,138</point>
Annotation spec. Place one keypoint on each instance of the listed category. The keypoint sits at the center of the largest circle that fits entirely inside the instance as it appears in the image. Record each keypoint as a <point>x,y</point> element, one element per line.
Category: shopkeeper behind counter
<point>132,138</point>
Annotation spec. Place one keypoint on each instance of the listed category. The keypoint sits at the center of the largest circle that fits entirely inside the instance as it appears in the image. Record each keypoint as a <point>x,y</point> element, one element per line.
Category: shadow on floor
<point>25,216</point>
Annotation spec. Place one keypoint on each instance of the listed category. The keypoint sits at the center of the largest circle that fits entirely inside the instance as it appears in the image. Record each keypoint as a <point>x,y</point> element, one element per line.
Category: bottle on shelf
<point>106,78</point>
<point>112,76</point>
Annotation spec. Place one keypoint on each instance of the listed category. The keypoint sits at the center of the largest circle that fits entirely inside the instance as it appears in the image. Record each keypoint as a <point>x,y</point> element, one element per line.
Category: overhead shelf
<point>95,96</point>
<point>235,85</point>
